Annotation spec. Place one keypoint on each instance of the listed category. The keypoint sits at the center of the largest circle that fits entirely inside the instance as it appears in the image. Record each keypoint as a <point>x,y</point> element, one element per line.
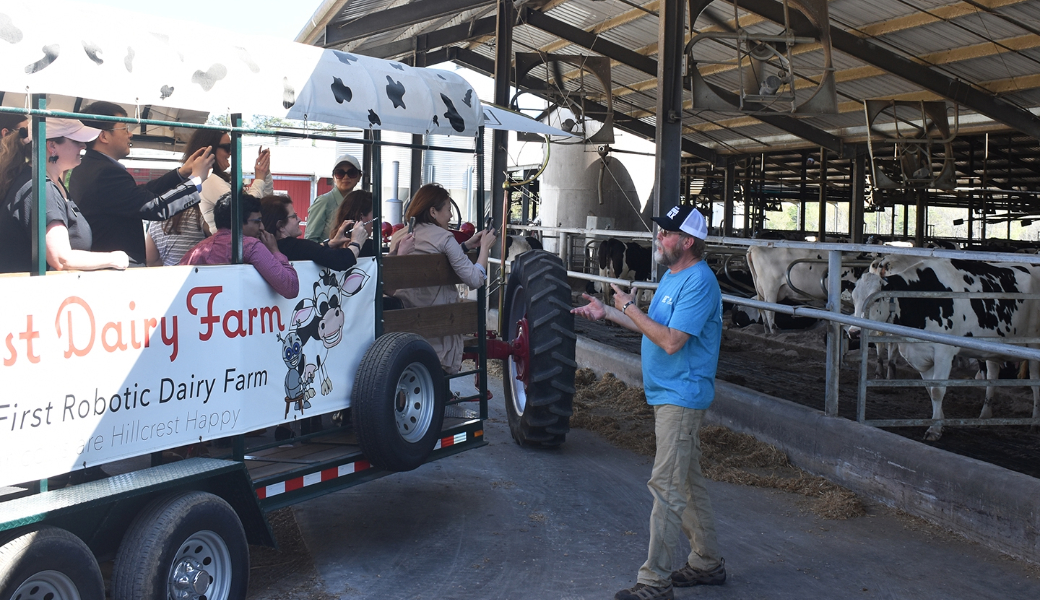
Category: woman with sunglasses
<point>339,253</point>
<point>215,187</point>
<point>345,177</point>
<point>68,235</point>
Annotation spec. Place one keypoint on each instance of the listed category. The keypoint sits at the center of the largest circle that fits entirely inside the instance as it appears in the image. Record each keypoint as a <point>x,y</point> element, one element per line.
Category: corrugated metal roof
<point>965,41</point>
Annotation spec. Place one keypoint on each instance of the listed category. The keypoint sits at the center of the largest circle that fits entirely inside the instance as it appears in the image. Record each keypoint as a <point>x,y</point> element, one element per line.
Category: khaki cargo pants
<point>680,497</point>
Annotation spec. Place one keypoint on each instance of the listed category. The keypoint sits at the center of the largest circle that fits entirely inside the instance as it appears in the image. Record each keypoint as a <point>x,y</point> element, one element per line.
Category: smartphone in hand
<point>411,225</point>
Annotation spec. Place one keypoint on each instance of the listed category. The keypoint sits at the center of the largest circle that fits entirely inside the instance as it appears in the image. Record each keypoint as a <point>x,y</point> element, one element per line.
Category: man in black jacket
<point>111,200</point>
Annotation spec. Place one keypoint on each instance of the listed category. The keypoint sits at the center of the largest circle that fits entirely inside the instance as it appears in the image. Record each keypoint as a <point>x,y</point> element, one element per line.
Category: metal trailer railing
<point>865,382</point>
<point>832,312</point>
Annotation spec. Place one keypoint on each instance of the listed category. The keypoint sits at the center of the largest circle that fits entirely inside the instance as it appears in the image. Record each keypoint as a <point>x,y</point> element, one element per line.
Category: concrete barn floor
<point>513,523</point>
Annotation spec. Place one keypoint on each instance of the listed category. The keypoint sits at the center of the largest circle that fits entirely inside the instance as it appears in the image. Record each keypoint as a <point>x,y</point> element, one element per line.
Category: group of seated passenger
<point>188,214</point>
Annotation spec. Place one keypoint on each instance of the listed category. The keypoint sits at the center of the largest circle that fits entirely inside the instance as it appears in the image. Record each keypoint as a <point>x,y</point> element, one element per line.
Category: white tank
<point>577,184</point>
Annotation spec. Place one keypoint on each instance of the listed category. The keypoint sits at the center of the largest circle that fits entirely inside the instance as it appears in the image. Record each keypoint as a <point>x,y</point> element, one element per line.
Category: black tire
<point>189,542</point>
<point>48,563</point>
<point>398,404</point>
<point>539,410</point>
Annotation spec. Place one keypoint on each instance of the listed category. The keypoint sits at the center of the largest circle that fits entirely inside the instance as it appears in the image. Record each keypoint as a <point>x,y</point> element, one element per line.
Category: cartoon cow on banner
<point>320,317</point>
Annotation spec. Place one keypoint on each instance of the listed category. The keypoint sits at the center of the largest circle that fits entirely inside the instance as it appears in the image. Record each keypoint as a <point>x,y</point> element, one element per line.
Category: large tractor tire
<point>185,546</point>
<point>539,378</point>
<point>48,564</point>
<point>398,405</point>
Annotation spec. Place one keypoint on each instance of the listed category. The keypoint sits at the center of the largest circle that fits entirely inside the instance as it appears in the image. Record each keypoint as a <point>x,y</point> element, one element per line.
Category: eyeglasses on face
<point>123,127</point>
<point>224,147</point>
<point>257,221</point>
<point>352,173</point>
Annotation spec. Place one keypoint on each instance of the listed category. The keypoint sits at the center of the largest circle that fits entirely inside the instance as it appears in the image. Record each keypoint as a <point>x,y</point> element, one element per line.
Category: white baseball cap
<point>347,158</point>
<point>72,129</point>
<point>685,219</point>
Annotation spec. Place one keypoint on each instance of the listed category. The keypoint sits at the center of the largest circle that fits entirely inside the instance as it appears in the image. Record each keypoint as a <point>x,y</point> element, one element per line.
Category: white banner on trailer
<point>86,51</point>
<point>103,366</point>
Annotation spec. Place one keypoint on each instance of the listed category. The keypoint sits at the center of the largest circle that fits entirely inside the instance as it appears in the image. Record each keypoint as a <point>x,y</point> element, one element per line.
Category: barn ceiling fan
<point>575,94</point>
<point>766,65</point>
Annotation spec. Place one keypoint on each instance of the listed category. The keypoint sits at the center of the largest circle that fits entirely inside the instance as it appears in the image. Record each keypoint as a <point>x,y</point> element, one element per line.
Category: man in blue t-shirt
<point>681,336</point>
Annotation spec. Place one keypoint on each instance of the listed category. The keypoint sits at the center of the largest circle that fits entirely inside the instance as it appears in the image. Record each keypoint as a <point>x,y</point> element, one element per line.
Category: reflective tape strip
<point>296,483</point>
<point>458,438</point>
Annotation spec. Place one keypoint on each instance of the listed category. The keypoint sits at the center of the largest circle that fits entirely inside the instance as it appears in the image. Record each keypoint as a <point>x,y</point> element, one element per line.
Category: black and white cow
<point>517,245</point>
<point>1001,319</point>
<point>769,270</point>
<point>620,260</point>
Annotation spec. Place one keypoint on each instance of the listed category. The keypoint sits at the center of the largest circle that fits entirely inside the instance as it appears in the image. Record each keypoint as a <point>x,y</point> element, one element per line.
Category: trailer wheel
<point>185,546</point>
<point>539,376</point>
<point>48,563</point>
<point>398,406</point>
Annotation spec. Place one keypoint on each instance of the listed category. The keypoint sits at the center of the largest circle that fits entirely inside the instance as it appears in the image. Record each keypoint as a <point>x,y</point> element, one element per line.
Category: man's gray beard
<point>663,259</point>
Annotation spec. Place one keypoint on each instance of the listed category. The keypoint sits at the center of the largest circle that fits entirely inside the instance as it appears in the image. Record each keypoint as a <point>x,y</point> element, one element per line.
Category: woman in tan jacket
<point>432,210</point>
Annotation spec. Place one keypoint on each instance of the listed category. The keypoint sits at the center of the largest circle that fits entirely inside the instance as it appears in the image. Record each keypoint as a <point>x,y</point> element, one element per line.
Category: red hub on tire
<point>521,351</point>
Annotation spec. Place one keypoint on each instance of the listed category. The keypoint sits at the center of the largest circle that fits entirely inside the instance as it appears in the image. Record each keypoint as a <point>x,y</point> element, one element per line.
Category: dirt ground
<point>288,571</point>
<point>621,415</point>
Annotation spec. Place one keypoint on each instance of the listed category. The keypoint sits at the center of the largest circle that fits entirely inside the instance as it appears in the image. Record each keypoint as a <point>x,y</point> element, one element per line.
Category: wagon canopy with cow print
<point>190,66</point>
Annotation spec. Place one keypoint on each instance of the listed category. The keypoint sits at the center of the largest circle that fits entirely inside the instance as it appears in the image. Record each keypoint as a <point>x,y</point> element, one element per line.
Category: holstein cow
<point>621,260</point>
<point>769,270</point>
<point>517,245</point>
<point>1000,319</point>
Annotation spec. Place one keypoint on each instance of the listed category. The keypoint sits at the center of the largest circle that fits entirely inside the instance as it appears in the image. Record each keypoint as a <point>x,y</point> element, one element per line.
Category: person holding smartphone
<point>219,183</point>
<point>431,209</point>
<point>357,207</point>
<point>112,201</point>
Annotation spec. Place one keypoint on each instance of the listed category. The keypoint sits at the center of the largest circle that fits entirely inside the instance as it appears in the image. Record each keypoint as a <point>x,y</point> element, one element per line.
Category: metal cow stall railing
<point>865,383</point>
<point>832,313</point>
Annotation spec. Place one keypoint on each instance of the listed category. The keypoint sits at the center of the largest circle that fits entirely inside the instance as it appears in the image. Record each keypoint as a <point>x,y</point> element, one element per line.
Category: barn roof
<point>986,52</point>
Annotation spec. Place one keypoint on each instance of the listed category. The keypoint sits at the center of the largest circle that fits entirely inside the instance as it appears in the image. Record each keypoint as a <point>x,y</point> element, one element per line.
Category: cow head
<point>321,316</point>
<point>869,284</point>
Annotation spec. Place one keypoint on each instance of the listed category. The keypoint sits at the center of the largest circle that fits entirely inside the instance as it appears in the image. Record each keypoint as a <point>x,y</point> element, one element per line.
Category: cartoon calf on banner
<point>320,317</point>
<point>300,375</point>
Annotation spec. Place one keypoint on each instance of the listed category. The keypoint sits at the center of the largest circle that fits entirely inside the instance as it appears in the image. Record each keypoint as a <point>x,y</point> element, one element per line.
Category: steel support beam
<point>856,204</point>
<point>506,15</point>
<point>822,233</point>
<point>921,221</point>
<point>648,65</point>
<point>803,189</point>
<point>644,130</point>
<point>433,40</point>
<point>668,148</point>
<point>419,58</point>
<point>727,198</point>
<point>395,18</point>
<point>871,53</point>
<point>366,162</point>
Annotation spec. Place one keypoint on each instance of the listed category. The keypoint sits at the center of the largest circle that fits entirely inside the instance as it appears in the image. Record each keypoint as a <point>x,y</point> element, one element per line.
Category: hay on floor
<point>620,414</point>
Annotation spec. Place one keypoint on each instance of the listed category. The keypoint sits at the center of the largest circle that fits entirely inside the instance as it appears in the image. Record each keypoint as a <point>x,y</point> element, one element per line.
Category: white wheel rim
<point>414,400</point>
<point>517,388</point>
<point>517,311</point>
<point>47,585</point>
<point>201,569</point>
